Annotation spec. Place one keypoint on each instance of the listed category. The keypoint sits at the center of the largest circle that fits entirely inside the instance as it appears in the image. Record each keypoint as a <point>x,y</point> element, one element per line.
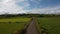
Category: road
<point>31,29</point>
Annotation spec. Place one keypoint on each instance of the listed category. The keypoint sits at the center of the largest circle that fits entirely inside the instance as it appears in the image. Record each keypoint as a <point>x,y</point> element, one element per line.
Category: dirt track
<point>31,29</point>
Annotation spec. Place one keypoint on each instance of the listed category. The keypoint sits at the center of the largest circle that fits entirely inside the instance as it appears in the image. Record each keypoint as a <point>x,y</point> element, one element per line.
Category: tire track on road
<point>31,29</point>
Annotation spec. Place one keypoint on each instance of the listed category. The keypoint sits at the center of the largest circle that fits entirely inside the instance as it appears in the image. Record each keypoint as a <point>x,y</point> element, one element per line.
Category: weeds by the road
<point>10,25</point>
<point>52,24</point>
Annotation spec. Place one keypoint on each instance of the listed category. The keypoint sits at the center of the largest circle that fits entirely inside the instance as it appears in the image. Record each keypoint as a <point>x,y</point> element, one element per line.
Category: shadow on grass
<point>21,31</point>
<point>44,30</point>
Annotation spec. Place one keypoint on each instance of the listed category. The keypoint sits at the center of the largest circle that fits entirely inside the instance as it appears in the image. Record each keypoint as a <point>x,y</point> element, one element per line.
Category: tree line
<point>27,15</point>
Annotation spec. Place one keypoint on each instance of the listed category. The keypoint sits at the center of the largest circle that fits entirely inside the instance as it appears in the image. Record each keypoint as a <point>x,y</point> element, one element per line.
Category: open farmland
<point>9,25</point>
<point>51,24</point>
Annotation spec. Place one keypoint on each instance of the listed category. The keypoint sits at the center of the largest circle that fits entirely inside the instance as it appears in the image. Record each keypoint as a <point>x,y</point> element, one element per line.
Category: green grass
<point>15,19</point>
<point>52,24</point>
<point>6,28</point>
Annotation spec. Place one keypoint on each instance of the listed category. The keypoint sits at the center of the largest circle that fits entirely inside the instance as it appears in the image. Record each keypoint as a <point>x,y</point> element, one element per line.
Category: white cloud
<point>47,10</point>
<point>21,0</point>
<point>10,6</point>
<point>36,1</point>
<point>26,4</point>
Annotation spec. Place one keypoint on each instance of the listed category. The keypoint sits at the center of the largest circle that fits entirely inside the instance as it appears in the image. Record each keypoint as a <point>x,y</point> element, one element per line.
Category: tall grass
<point>9,25</point>
<point>52,24</point>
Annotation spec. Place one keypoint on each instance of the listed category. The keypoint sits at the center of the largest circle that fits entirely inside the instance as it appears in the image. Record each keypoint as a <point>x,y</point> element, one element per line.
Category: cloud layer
<point>18,6</point>
<point>47,10</point>
<point>10,7</point>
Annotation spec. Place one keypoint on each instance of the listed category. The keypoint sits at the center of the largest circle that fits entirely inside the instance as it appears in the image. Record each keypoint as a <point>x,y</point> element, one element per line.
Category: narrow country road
<point>31,29</point>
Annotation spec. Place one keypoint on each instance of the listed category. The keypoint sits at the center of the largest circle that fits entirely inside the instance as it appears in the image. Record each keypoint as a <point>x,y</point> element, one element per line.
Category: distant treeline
<point>27,15</point>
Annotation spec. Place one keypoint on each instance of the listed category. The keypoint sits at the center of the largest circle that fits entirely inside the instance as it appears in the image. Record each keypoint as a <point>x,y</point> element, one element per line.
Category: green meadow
<point>9,25</point>
<point>51,24</point>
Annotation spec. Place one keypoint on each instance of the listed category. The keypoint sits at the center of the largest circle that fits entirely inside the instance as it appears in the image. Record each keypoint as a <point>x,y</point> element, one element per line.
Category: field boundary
<point>23,30</point>
<point>37,27</point>
<point>26,26</point>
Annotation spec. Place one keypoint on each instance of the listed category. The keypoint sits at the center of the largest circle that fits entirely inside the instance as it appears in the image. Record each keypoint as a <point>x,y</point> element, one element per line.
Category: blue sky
<point>31,6</point>
<point>40,3</point>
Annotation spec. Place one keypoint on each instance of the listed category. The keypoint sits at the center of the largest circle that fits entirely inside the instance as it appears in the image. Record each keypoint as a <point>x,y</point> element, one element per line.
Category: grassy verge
<point>52,24</point>
<point>9,25</point>
<point>38,27</point>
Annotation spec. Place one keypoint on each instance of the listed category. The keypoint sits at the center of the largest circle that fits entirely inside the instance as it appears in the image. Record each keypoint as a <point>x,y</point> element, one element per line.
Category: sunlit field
<point>9,25</point>
<point>52,24</point>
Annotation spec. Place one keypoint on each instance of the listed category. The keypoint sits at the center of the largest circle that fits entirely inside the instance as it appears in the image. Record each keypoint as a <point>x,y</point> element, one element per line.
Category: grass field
<point>9,25</point>
<point>52,24</point>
